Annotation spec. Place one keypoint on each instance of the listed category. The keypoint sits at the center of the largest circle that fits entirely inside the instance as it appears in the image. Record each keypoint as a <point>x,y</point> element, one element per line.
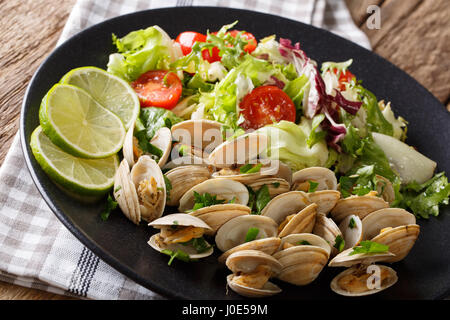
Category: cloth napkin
<point>36,250</point>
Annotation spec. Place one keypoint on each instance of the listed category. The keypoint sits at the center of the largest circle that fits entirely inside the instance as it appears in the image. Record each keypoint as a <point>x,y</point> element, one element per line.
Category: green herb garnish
<point>146,146</point>
<point>205,200</point>
<point>249,168</point>
<point>199,244</point>
<point>179,254</point>
<point>312,186</point>
<point>251,234</point>
<point>369,247</point>
<point>339,243</point>
<point>352,223</point>
<point>168,186</point>
<point>110,206</point>
<point>276,184</point>
<point>303,243</point>
<point>262,198</point>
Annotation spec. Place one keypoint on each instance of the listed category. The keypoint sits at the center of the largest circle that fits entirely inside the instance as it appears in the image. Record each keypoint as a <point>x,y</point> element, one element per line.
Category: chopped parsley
<point>199,244</point>
<point>168,186</point>
<point>179,254</point>
<point>312,186</point>
<point>205,200</point>
<point>352,223</point>
<point>249,168</point>
<point>339,243</point>
<point>276,184</point>
<point>251,235</point>
<point>110,206</point>
<point>370,247</point>
<point>258,199</point>
<point>303,243</point>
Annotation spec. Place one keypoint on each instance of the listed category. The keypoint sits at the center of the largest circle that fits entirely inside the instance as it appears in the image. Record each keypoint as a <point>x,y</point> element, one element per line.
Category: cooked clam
<point>378,220</point>
<point>362,280</point>
<point>224,189</point>
<point>252,270</point>
<point>141,193</point>
<point>203,134</point>
<point>328,230</point>
<point>178,229</point>
<point>234,232</point>
<point>216,215</point>
<point>385,189</point>
<point>266,245</point>
<point>352,230</point>
<point>325,178</point>
<point>276,186</point>
<point>325,200</point>
<point>302,256</point>
<point>285,204</point>
<point>162,140</point>
<point>301,222</point>
<point>357,205</point>
<point>239,151</point>
<point>184,178</point>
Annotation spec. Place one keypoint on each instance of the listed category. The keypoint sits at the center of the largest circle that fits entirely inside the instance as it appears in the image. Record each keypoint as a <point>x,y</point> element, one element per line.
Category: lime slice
<point>85,177</point>
<point>78,124</point>
<point>109,90</point>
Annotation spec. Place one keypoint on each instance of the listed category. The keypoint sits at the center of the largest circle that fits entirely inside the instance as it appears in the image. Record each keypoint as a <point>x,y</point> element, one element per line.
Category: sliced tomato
<point>212,56</point>
<point>158,88</point>
<point>251,45</point>
<point>265,105</point>
<point>187,39</point>
<point>345,77</point>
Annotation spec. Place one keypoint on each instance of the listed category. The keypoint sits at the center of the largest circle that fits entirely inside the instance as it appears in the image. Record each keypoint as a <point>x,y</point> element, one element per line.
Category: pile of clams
<point>295,235</point>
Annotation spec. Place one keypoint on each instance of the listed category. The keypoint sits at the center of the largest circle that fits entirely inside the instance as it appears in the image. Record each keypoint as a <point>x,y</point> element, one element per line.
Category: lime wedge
<point>78,124</point>
<point>110,91</point>
<point>85,177</point>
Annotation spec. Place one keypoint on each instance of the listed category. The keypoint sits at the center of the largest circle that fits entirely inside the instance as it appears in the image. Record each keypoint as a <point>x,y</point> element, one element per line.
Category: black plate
<point>424,274</point>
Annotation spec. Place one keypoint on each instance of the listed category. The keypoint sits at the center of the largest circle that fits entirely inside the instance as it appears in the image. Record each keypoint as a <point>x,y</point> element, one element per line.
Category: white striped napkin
<point>36,250</point>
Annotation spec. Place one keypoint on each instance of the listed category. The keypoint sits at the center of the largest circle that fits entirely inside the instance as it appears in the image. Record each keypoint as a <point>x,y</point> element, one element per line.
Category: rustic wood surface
<point>414,35</point>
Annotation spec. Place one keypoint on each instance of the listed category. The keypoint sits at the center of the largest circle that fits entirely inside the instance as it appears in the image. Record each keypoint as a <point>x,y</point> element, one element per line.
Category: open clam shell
<point>302,263</point>
<point>344,259</point>
<point>225,189</point>
<point>323,176</point>
<point>184,178</point>
<point>327,229</point>
<point>352,231</point>
<point>178,219</point>
<point>276,186</point>
<point>217,215</point>
<point>148,179</point>
<point>233,232</point>
<point>302,222</point>
<point>374,222</point>
<point>325,199</point>
<point>355,282</point>
<point>266,245</point>
<point>239,151</point>
<point>357,205</point>
<point>399,239</point>
<point>251,271</point>
<point>285,204</point>
<point>202,133</point>
<point>125,193</point>
<point>162,140</point>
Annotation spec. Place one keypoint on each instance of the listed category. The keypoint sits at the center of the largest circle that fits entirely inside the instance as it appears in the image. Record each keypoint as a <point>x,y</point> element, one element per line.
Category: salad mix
<point>319,118</point>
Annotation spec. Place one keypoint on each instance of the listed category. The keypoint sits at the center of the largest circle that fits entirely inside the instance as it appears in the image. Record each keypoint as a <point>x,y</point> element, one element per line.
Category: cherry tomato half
<point>265,105</point>
<point>158,88</point>
<point>251,45</point>
<point>345,77</point>
<point>187,39</point>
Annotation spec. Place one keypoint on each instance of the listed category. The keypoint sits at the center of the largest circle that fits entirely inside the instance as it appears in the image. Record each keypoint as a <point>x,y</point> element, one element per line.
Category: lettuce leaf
<point>140,51</point>
<point>295,89</point>
<point>288,143</point>
<point>424,199</point>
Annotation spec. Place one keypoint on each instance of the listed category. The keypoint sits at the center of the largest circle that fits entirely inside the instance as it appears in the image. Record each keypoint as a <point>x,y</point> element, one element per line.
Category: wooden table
<point>414,35</point>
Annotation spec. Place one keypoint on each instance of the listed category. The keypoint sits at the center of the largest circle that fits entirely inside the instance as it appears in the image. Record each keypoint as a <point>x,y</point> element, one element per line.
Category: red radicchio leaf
<point>351,107</point>
<point>274,81</point>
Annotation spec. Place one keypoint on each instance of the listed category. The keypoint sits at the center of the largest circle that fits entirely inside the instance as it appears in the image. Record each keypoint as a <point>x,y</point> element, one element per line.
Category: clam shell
<point>302,222</point>
<point>232,233</point>
<point>352,236</point>
<point>184,178</point>
<point>325,199</point>
<point>224,188</point>
<point>374,222</point>
<point>269,289</point>
<point>276,186</point>
<point>313,239</point>
<point>357,205</point>
<point>301,264</point>
<point>125,193</point>
<point>266,245</point>
<point>216,215</point>
<point>285,204</point>
<point>325,177</point>
<point>385,189</point>
<point>162,140</point>
<point>177,246</point>
<point>201,133</point>
<point>239,151</point>
<point>179,219</point>
<point>400,240</point>
<point>328,230</point>
<point>246,261</point>
<point>343,259</point>
<point>388,282</point>
<point>145,168</point>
